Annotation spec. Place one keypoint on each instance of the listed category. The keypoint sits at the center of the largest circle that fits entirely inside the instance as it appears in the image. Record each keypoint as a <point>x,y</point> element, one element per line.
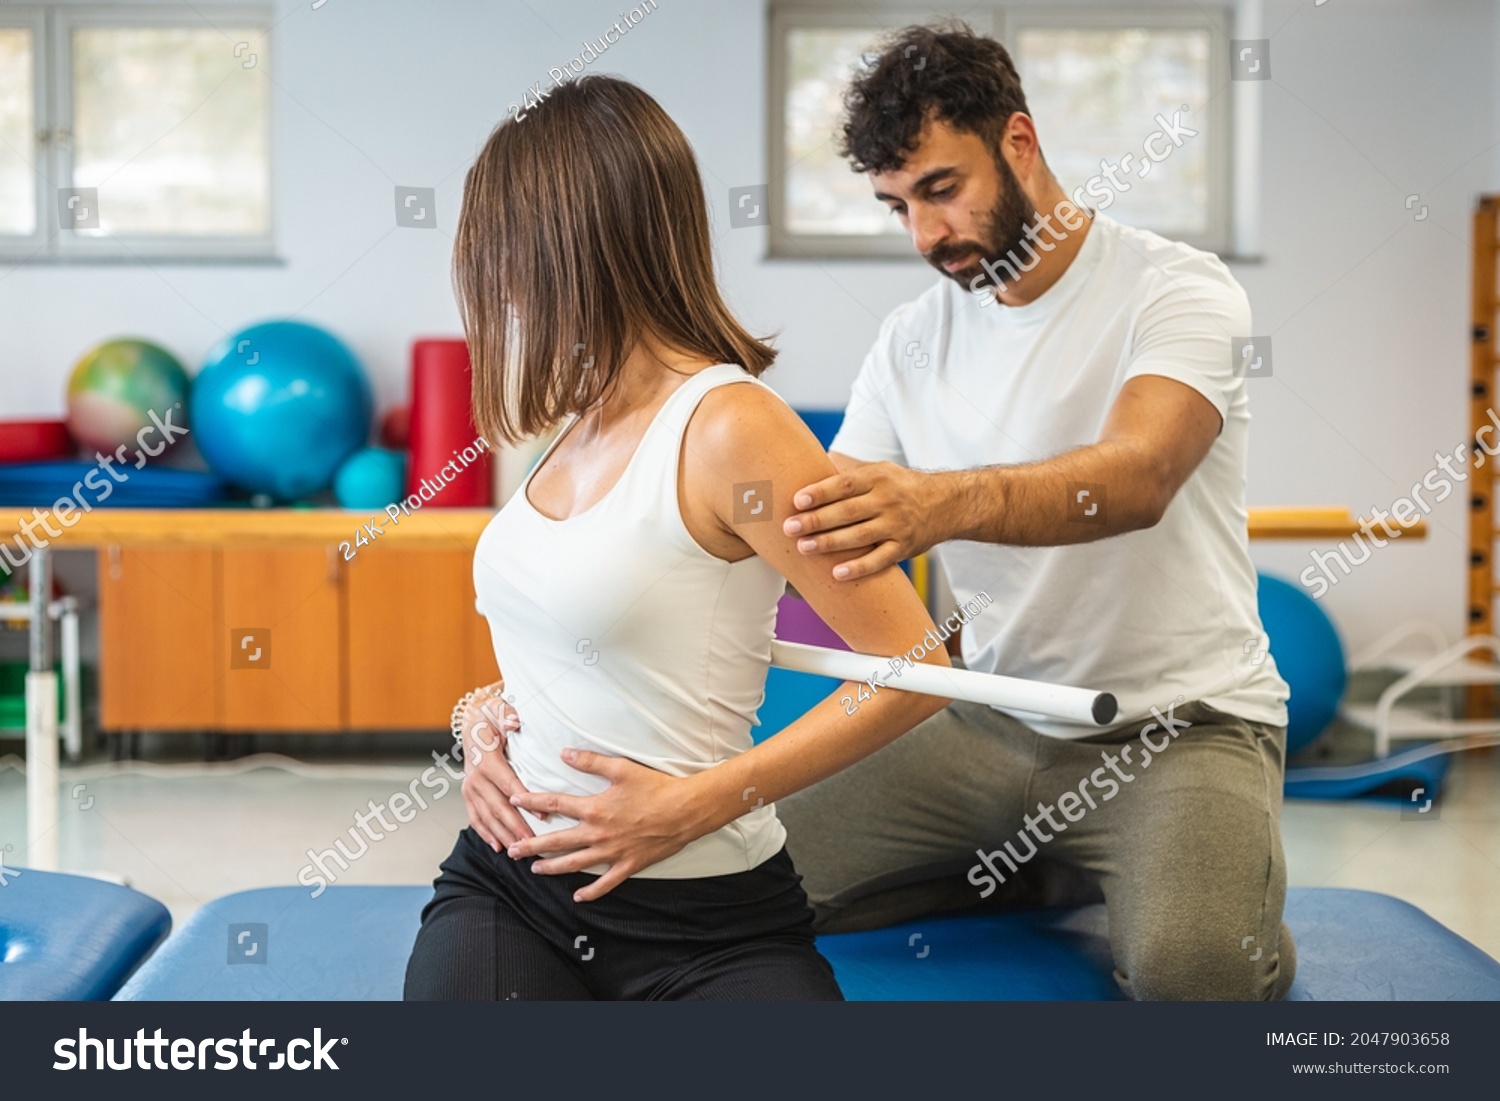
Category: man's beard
<point>1004,233</point>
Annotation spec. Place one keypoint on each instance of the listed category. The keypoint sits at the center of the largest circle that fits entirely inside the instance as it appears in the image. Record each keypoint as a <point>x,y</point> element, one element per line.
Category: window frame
<point>52,147</point>
<point>26,246</point>
<point>1226,145</point>
<point>820,246</point>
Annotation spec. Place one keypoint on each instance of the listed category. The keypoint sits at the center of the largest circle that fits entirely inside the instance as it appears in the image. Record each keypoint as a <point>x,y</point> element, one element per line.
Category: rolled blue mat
<point>1422,766</point>
<point>44,484</point>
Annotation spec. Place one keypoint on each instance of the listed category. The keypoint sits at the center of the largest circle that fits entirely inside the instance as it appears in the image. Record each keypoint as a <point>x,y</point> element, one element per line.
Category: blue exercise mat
<point>44,484</point>
<point>352,944</point>
<point>1025,956</point>
<point>1351,946</point>
<point>1420,769</point>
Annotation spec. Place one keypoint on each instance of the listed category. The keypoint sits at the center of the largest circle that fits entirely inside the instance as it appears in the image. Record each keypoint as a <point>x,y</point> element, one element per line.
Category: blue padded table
<point>348,944</point>
<point>70,938</point>
<point>351,943</point>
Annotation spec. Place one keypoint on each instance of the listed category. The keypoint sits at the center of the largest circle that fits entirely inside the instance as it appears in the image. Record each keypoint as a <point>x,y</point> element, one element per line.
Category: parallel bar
<point>1079,705</point>
<point>39,638</point>
<point>41,723</point>
<point>1304,523</point>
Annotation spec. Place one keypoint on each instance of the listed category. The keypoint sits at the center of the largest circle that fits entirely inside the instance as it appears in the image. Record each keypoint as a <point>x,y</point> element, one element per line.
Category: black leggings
<point>495,931</point>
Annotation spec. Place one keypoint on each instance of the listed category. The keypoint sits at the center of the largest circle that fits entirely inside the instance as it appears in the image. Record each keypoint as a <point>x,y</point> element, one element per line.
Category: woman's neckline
<point>629,463</point>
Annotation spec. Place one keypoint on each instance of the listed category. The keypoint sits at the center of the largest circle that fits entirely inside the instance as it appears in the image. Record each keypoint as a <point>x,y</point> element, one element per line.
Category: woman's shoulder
<point>751,417</point>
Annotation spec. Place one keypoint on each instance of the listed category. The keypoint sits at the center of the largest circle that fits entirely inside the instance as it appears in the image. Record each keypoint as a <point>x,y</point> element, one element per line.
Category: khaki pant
<point>1185,854</point>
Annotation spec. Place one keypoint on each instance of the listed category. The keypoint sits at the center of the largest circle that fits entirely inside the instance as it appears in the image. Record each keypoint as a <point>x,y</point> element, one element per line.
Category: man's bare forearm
<point>1080,496</point>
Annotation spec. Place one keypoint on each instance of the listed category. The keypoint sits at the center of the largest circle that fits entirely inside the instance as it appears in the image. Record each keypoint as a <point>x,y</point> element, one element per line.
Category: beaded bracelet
<point>456,722</point>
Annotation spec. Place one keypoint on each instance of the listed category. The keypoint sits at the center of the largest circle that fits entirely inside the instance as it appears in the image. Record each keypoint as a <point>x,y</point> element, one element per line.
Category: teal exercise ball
<point>1308,655</point>
<point>370,479</point>
<point>279,406</point>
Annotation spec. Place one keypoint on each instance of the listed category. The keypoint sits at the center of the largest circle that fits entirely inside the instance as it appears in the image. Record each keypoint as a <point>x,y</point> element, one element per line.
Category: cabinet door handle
<point>331,556</point>
<point>115,572</point>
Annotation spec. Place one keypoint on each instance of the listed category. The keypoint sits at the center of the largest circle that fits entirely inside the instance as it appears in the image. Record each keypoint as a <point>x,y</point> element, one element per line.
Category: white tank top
<point>615,631</point>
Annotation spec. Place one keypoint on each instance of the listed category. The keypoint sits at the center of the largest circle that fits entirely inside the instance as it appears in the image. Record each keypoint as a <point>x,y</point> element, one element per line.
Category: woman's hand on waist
<point>643,817</point>
<point>489,781</point>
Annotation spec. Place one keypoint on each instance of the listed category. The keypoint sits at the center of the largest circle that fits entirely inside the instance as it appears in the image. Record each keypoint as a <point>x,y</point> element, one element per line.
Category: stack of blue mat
<point>1416,771</point>
<point>88,485</point>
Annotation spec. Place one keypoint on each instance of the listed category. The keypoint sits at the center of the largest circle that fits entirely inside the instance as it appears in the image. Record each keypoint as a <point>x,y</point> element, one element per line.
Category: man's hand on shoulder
<point>895,512</point>
<point>1156,434</point>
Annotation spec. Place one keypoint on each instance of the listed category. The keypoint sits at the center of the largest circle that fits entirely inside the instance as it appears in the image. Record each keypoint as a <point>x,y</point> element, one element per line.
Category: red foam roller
<point>442,429</point>
<point>395,427</point>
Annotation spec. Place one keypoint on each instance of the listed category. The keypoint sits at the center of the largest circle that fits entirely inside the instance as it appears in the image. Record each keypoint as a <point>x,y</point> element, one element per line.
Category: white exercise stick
<point>1057,701</point>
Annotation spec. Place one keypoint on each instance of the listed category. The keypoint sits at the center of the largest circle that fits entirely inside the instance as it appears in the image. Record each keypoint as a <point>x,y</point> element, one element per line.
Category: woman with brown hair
<point>623,841</point>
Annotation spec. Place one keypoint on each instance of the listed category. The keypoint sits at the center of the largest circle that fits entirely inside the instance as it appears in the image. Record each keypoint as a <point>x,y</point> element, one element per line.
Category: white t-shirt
<point>953,384</point>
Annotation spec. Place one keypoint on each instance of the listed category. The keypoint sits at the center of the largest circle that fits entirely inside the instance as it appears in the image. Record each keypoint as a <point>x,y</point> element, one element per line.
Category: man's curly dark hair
<point>943,70</point>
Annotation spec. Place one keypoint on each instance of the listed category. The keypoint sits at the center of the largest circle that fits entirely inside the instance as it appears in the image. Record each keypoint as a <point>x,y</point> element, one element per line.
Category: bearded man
<point>1063,420</point>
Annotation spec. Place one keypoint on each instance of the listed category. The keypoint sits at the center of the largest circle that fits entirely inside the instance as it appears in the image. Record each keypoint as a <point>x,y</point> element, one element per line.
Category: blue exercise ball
<point>1308,655</point>
<point>371,478</point>
<point>278,406</point>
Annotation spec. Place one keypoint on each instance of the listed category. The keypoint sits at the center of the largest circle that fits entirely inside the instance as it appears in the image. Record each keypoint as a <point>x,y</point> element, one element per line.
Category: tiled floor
<point>1448,865</point>
<point>190,833</point>
<point>187,834</point>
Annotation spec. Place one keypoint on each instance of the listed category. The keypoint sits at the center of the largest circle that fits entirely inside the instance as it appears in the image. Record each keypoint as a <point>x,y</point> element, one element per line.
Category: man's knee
<point>1209,968</point>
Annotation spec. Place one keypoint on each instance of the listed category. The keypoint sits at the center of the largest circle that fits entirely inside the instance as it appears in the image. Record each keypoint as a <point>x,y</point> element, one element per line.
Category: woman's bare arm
<point>745,434</point>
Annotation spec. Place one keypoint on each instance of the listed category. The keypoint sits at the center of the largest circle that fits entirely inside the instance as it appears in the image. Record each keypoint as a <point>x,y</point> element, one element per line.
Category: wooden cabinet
<point>285,601</point>
<point>159,638</point>
<point>385,641</point>
<point>415,642</point>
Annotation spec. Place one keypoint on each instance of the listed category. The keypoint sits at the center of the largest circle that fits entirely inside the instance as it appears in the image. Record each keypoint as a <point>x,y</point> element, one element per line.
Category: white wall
<point>1372,100</point>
